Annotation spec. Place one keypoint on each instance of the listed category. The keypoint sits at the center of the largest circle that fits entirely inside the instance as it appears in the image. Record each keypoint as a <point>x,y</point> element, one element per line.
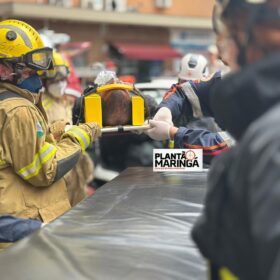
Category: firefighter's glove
<point>163,114</point>
<point>92,129</point>
<point>57,129</point>
<point>159,130</point>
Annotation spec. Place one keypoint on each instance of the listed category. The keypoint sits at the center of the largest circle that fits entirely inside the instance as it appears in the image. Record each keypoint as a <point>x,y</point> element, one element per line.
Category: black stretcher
<point>135,227</point>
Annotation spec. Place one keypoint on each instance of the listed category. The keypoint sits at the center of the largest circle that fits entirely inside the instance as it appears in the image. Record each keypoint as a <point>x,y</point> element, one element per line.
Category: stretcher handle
<point>125,128</point>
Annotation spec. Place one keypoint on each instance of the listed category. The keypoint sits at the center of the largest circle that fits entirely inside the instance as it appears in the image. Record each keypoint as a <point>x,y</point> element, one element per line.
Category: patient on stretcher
<point>111,103</point>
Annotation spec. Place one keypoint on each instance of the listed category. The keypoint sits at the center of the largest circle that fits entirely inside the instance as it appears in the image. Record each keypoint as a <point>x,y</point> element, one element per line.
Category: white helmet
<point>193,67</point>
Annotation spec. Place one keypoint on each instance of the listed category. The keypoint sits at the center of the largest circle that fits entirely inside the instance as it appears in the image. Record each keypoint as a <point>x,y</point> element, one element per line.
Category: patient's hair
<point>116,108</point>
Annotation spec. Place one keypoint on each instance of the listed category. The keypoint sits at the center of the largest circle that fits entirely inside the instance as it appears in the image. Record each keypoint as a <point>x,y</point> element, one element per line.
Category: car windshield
<point>157,94</point>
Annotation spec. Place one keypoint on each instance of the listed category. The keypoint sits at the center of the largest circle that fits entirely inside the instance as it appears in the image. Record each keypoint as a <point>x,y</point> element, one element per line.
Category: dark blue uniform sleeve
<point>202,89</point>
<point>13,229</point>
<point>211,143</point>
<point>176,100</point>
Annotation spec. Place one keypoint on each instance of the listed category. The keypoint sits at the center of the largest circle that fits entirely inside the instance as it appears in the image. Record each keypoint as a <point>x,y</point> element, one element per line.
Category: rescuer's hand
<point>163,114</point>
<point>57,129</point>
<point>159,130</point>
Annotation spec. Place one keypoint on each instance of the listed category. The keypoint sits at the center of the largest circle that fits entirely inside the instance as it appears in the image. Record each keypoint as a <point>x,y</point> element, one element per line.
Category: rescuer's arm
<point>211,143</point>
<point>34,154</point>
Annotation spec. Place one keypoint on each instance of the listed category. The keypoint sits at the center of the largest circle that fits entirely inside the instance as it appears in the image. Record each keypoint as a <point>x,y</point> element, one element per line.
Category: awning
<point>146,51</point>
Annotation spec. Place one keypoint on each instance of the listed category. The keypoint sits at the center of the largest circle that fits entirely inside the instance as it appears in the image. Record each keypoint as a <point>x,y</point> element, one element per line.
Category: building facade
<point>143,37</point>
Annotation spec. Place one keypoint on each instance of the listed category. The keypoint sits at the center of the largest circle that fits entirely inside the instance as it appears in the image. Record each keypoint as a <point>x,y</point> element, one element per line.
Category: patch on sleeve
<point>39,128</point>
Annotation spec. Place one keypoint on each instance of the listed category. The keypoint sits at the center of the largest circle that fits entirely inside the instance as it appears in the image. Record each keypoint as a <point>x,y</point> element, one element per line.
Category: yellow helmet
<point>21,44</point>
<point>60,67</point>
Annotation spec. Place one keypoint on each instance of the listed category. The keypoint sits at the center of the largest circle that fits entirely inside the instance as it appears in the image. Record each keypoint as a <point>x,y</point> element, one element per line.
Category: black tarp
<point>135,227</point>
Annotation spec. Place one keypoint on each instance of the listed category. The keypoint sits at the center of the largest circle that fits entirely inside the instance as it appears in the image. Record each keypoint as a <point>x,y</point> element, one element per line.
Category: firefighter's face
<point>6,73</point>
<point>228,50</point>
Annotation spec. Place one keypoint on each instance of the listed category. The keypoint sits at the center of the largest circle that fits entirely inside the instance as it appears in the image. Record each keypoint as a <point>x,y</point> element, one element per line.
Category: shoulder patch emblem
<point>39,128</point>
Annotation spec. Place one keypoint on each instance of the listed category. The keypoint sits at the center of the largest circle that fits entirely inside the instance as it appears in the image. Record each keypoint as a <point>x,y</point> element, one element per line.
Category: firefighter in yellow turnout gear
<point>32,162</point>
<point>59,112</point>
<point>55,81</point>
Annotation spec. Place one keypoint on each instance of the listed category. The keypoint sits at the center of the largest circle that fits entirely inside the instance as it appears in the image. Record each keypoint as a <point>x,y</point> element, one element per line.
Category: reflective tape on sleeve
<point>46,152</point>
<point>82,137</point>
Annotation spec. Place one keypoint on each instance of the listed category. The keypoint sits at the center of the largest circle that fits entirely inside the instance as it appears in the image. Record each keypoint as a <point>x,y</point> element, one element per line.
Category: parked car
<point>157,88</point>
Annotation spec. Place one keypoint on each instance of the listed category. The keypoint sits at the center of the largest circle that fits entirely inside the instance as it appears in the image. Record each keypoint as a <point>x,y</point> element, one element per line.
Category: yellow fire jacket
<point>77,178</point>
<point>57,109</point>
<point>32,163</point>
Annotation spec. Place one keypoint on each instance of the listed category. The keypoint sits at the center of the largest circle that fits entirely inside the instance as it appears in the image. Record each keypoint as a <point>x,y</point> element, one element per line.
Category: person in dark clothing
<point>182,106</point>
<point>239,230</point>
<point>187,113</point>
